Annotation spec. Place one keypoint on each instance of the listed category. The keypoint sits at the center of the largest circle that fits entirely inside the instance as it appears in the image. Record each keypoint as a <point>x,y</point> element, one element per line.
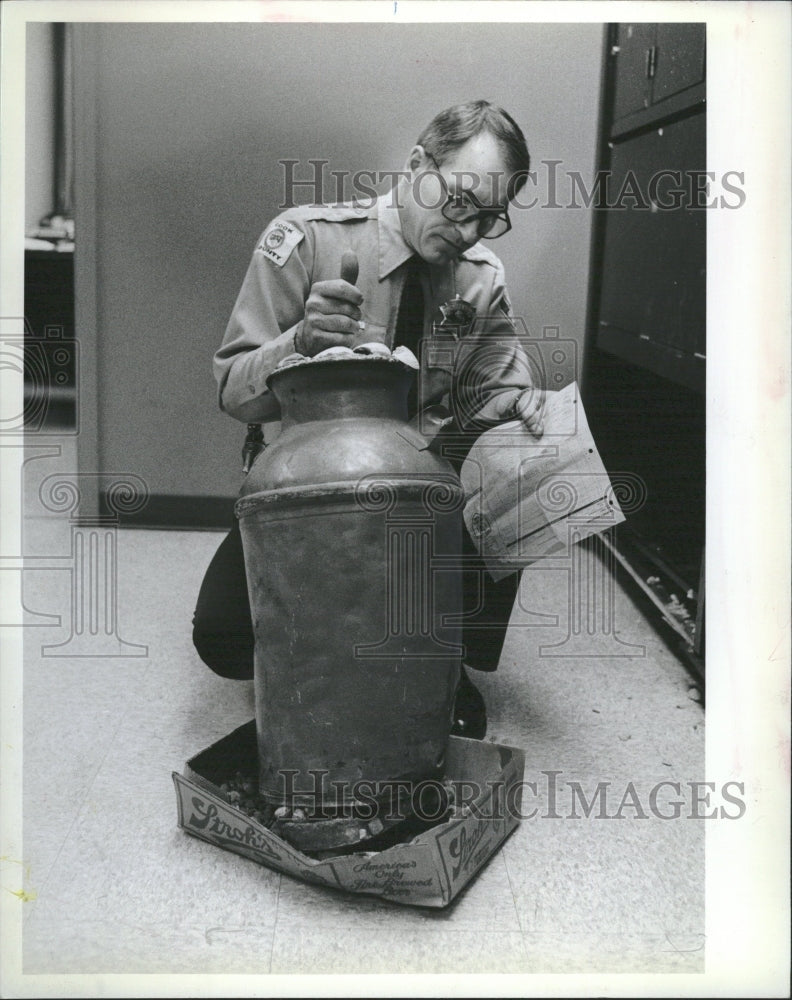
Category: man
<point>419,254</point>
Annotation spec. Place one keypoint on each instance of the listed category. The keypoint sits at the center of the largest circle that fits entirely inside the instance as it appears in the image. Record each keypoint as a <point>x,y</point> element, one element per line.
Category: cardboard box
<point>430,870</point>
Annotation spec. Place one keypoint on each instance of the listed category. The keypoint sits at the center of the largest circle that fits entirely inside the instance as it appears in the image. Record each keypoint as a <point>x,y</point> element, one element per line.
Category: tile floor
<point>120,889</point>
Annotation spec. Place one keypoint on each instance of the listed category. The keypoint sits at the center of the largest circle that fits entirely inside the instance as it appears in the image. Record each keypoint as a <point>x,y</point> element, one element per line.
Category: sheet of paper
<point>528,498</point>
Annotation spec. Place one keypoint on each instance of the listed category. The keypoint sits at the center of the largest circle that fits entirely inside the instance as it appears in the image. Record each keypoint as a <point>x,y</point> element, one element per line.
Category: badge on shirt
<point>278,242</point>
<point>458,316</point>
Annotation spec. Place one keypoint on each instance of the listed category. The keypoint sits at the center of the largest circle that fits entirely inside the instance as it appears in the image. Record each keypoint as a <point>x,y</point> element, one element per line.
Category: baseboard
<point>178,512</point>
<point>676,613</point>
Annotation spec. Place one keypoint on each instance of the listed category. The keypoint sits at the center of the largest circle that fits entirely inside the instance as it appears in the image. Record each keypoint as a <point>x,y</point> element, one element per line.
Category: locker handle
<point>651,61</point>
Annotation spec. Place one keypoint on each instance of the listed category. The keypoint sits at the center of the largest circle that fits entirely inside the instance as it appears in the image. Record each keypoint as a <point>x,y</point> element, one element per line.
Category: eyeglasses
<point>463,207</point>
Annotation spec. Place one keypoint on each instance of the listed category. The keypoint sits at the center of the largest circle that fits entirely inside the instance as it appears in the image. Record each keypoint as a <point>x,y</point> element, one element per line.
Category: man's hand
<point>526,405</point>
<point>332,317</point>
<point>529,407</point>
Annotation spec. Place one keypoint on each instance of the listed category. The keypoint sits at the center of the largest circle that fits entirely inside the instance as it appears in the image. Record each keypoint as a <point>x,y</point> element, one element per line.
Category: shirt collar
<point>393,250</point>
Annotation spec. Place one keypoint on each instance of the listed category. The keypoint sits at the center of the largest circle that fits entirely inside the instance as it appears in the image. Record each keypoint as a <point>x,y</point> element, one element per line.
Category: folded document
<point>527,498</point>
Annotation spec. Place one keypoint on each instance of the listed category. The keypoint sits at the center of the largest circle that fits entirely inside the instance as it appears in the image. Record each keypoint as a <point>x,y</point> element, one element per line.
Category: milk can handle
<point>253,446</point>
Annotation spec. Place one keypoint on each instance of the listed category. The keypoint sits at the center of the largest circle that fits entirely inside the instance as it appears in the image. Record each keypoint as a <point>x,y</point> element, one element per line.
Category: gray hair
<point>452,128</point>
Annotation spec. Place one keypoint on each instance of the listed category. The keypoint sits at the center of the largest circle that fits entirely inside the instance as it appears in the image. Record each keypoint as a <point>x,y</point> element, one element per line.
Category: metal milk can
<point>351,529</point>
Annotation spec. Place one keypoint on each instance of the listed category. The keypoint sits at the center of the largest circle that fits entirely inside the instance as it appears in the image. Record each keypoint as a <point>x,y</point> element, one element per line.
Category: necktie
<point>409,321</point>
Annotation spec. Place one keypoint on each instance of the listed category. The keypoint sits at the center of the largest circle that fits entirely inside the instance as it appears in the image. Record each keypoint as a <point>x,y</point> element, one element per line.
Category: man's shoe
<point>470,712</point>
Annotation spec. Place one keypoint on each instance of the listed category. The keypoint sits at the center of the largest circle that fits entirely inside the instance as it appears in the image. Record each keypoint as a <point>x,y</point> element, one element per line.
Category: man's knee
<point>228,654</point>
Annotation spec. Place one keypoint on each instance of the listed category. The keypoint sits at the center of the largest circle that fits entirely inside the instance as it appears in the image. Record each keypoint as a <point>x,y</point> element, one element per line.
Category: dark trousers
<point>223,631</point>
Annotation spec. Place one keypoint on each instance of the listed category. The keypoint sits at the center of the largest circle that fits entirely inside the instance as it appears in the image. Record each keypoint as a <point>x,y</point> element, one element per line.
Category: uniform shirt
<point>462,376</point>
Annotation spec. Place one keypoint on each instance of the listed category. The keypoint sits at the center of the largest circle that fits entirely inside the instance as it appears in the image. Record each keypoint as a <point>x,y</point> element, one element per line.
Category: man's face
<point>477,168</point>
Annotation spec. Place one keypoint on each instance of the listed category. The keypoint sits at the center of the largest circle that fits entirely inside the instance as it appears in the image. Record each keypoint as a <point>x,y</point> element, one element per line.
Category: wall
<point>39,123</point>
<point>191,121</point>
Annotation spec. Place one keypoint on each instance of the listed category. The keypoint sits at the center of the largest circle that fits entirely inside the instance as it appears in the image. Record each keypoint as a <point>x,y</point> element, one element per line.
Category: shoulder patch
<point>278,241</point>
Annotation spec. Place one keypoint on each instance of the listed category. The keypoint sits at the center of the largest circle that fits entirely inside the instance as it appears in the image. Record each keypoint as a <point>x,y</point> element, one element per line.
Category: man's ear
<point>416,160</point>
